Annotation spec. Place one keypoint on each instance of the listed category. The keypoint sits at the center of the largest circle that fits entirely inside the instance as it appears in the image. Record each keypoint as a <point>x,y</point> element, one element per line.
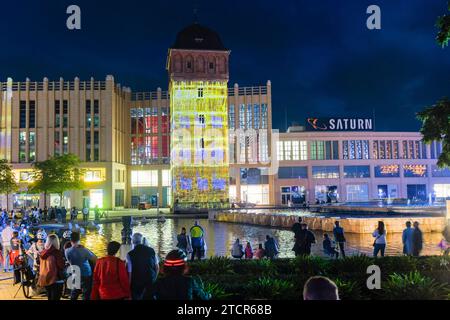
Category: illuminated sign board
<point>339,124</point>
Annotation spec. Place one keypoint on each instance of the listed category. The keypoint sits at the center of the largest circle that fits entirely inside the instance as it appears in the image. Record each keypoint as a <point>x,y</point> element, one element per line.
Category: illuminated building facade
<point>358,167</point>
<point>86,118</point>
<point>198,76</point>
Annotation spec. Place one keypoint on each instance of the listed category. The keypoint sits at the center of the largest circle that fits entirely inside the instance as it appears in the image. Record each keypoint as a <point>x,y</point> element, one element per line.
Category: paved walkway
<point>8,290</point>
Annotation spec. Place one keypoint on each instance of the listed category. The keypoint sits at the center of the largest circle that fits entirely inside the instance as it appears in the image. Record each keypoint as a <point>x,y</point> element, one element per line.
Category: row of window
<point>250,116</point>
<point>27,114</point>
<point>380,171</point>
<point>389,149</point>
<point>356,150</point>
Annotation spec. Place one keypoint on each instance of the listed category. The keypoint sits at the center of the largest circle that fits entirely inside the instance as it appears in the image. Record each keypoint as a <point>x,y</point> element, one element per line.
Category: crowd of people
<point>36,215</point>
<point>53,259</point>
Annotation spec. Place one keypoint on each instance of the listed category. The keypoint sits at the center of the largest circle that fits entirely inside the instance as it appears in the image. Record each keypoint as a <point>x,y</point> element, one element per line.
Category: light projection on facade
<point>199,143</point>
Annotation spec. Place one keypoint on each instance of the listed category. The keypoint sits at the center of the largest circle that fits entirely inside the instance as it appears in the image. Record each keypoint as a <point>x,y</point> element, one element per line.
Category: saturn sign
<point>339,124</point>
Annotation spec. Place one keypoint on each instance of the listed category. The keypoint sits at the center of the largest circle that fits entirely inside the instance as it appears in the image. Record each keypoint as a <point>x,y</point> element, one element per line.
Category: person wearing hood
<point>237,251</point>
<point>407,239</point>
<point>51,268</point>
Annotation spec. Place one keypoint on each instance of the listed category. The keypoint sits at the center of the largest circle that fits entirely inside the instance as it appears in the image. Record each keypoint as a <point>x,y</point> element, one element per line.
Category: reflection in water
<point>220,237</point>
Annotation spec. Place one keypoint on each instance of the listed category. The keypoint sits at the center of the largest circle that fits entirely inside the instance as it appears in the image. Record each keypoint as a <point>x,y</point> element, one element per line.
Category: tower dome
<point>197,37</point>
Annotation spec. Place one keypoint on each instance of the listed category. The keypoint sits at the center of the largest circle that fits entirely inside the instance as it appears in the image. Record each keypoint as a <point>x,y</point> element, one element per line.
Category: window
<point>325,172</point>
<point>414,149</point>
<point>144,178</point>
<point>65,113</point>
<point>264,116</point>
<point>211,65</point>
<point>23,114</point>
<point>356,171</point>
<point>292,173</point>
<point>436,149</point>
<point>96,146</point>
<point>355,149</point>
<point>32,114</point>
<point>166,178</point>
<point>93,176</point>
<point>387,171</point>
<point>287,150</point>
<point>119,197</point>
<point>32,147</point>
<point>438,172</point>
<point>96,114</point>
<point>256,116</point>
<point>88,145</point>
<point>242,116</point>
<point>324,150</point>
<point>303,150</point>
<point>200,92</point>
<point>249,117</point>
<point>357,192</point>
<point>57,143</point>
<point>65,142</point>
<point>22,146</point>
<point>295,150</point>
<point>231,116</point>
<point>414,170</point>
<point>280,153</point>
<point>88,113</point>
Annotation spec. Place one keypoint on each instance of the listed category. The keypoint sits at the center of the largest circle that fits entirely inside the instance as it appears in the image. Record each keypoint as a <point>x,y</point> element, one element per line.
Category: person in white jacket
<point>379,245</point>
<point>7,234</point>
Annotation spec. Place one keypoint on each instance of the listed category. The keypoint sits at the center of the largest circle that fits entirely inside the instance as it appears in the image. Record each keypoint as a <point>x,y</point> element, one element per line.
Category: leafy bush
<point>310,265</point>
<point>351,264</point>
<point>400,264</point>
<point>213,266</point>
<point>216,291</point>
<point>435,263</point>
<point>413,286</point>
<point>269,288</point>
<point>262,267</point>
<point>349,290</point>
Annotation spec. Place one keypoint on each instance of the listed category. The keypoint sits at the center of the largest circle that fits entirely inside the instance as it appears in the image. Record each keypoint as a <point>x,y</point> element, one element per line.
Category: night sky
<point>319,55</point>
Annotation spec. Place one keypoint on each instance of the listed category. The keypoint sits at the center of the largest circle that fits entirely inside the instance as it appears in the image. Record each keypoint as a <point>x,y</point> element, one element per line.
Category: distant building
<point>201,143</point>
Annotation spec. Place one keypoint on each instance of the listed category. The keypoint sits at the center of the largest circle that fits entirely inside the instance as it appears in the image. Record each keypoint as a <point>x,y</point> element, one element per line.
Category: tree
<point>443,24</point>
<point>57,175</point>
<point>8,183</point>
<point>436,127</point>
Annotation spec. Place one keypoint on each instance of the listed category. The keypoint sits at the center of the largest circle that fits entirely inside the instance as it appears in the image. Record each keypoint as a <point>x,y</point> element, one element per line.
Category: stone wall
<point>351,225</point>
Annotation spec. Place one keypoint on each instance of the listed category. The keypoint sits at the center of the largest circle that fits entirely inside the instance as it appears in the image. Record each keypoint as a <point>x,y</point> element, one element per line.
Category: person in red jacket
<point>110,277</point>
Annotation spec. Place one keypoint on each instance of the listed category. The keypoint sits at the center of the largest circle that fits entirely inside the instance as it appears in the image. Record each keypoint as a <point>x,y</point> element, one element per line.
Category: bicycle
<point>28,279</point>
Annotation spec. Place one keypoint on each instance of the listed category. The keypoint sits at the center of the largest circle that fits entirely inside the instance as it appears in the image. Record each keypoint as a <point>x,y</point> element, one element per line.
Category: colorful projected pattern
<point>199,143</point>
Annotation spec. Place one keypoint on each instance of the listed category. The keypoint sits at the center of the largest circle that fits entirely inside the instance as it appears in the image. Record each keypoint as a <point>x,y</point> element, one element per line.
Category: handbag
<point>375,241</point>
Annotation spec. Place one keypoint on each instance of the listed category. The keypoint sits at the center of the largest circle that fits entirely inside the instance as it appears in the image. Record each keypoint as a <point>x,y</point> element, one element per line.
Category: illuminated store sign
<point>339,124</point>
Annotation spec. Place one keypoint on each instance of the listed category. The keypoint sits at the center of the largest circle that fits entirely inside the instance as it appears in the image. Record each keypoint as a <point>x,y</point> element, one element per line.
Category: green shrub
<point>413,286</point>
<point>261,267</point>
<point>398,264</point>
<point>270,288</point>
<point>310,265</point>
<point>351,264</point>
<point>213,266</point>
<point>349,290</point>
<point>216,291</point>
<point>434,263</point>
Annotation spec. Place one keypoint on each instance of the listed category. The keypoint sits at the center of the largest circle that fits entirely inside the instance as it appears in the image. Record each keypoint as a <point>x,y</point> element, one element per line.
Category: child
<point>260,253</point>
<point>329,247</point>
<point>248,251</point>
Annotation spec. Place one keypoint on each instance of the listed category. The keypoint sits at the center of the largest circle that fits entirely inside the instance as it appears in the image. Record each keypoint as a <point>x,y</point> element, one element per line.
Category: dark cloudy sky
<point>319,55</point>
